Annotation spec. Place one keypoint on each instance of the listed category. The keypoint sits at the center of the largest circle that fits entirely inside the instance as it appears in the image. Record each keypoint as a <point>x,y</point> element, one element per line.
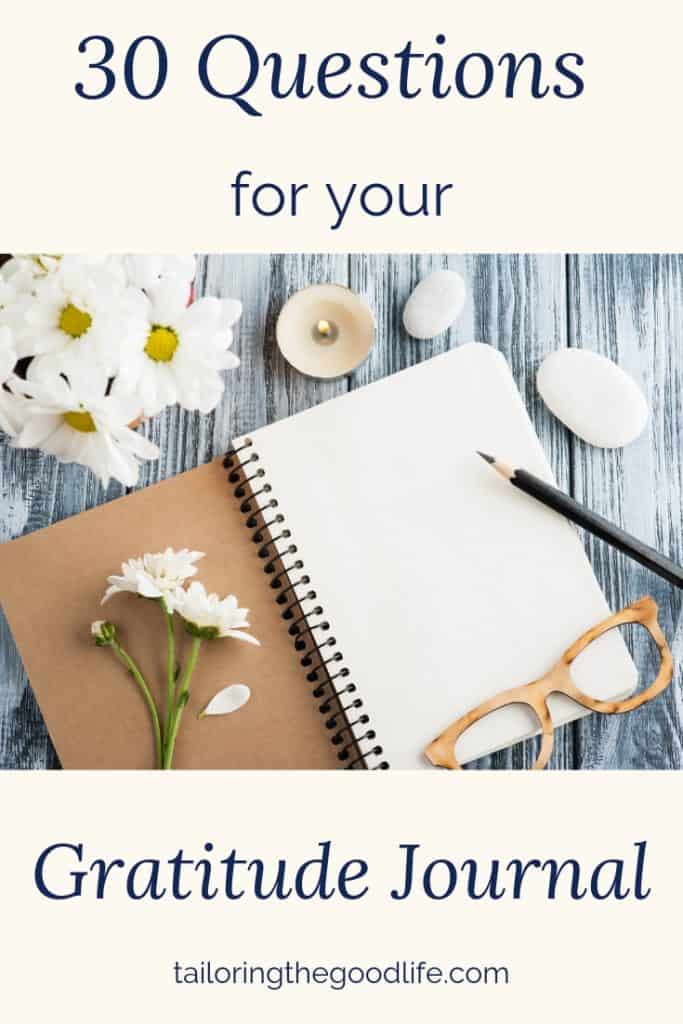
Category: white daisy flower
<point>11,405</point>
<point>16,283</point>
<point>107,267</point>
<point>146,271</point>
<point>77,421</point>
<point>76,315</point>
<point>17,277</point>
<point>8,296</point>
<point>176,351</point>
<point>160,575</point>
<point>42,263</point>
<point>8,354</point>
<point>208,617</point>
<point>24,268</point>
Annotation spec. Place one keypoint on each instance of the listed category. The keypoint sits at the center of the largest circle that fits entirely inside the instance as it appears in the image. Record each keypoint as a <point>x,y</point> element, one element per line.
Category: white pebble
<point>593,396</point>
<point>435,303</point>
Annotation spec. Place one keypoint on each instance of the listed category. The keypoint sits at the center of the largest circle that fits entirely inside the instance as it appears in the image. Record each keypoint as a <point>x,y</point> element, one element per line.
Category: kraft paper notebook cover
<point>438,586</point>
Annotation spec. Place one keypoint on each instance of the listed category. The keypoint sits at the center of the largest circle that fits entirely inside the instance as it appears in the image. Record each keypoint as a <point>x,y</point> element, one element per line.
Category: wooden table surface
<point>627,307</point>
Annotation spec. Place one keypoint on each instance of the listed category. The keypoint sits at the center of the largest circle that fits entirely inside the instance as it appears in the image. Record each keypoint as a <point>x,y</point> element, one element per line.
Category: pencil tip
<point>487,458</point>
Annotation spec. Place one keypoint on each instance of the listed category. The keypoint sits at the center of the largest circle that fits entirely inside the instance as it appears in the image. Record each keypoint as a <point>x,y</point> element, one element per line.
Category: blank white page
<point>442,583</point>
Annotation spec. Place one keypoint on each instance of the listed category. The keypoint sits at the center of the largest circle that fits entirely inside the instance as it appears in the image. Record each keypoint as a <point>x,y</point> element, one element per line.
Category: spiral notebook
<point>393,581</point>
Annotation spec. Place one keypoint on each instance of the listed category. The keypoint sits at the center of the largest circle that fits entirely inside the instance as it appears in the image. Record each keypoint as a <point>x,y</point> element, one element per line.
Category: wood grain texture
<point>630,308</point>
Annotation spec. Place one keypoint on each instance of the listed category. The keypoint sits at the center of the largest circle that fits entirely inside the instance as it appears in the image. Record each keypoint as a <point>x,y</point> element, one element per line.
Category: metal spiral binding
<point>337,695</point>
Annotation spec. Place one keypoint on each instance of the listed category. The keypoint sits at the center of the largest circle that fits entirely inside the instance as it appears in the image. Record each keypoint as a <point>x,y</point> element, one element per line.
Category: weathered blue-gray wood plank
<point>34,492</point>
<point>628,307</point>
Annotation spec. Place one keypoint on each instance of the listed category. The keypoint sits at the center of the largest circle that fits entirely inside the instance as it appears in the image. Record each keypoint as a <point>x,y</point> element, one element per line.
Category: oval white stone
<point>593,396</point>
<point>435,303</point>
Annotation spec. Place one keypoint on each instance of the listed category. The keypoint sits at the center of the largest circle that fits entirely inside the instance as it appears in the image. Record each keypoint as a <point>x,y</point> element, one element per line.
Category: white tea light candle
<point>325,331</point>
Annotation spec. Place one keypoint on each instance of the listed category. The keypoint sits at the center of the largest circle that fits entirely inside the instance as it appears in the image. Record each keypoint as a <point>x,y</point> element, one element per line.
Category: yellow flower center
<point>81,421</point>
<point>74,321</point>
<point>161,344</point>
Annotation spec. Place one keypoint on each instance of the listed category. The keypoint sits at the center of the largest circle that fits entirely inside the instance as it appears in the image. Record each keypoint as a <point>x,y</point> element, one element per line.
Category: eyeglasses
<point>441,752</point>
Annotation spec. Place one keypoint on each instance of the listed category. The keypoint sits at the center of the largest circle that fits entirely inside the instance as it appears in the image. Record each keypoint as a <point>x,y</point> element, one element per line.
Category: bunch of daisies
<point>166,579</point>
<point>92,346</point>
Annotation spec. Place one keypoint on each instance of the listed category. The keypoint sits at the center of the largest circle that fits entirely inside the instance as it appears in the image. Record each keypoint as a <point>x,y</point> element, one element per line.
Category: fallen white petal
<point>237,634</point>
<point>230,699</point>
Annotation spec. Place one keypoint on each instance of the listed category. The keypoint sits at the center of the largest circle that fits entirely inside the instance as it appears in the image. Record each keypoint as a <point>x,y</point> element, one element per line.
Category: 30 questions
<point>231,68</point>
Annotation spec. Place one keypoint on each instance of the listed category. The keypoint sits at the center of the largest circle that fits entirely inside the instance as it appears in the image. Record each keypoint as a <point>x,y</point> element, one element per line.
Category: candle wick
<point>325,331</point>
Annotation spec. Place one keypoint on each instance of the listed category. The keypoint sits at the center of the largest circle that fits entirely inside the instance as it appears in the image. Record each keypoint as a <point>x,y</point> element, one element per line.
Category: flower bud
<point>103,633</point>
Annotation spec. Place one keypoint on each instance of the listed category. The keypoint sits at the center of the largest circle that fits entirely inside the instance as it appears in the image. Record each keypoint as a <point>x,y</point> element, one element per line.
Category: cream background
<point>602,172</point>
<point>598,173</point>
<point>113,959</point>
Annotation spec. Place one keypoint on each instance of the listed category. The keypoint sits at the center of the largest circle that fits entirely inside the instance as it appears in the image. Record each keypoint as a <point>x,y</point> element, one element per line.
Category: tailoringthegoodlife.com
<point>337,977</point>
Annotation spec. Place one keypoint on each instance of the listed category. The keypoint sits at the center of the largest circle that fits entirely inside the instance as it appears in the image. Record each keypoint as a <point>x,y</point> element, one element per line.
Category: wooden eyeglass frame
<point>441,752</point>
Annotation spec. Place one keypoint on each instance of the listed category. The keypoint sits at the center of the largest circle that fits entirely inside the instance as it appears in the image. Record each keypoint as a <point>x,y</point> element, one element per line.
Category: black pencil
<point>595,524</point>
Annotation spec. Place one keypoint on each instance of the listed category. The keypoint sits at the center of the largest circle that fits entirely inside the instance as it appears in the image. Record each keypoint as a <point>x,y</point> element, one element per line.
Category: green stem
<point>128,662</point>
<point>183,697</point>
<point>170,668</point>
